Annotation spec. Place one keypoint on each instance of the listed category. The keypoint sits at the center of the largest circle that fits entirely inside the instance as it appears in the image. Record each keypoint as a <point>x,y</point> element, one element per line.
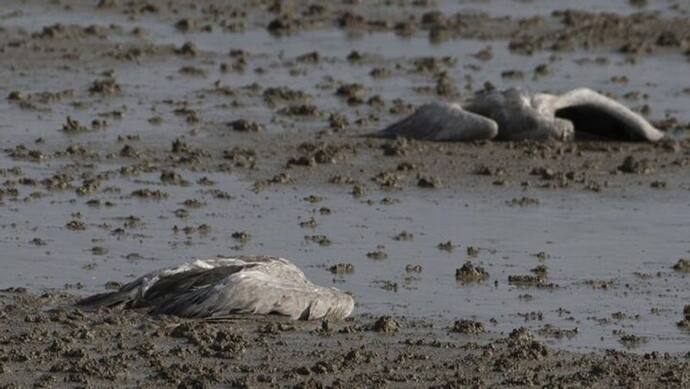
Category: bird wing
<point>223,286</point>
<point>257,292</point>
<point>163,285</point>
<point>443,122</point>
<point>601,117</point>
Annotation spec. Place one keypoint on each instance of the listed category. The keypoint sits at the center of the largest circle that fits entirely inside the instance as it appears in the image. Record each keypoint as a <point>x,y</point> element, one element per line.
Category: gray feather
<point>516,115</point>
<point>598,116</point>
<point>226,286</point>
<point>442,122</point>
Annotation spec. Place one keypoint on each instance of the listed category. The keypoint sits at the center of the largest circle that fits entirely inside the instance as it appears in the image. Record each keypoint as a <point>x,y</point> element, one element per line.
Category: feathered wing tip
<point>108,300</point>
<point>597,116</point>
<point>128,295</point>
<point>442,122</point>
<point>218,287</point>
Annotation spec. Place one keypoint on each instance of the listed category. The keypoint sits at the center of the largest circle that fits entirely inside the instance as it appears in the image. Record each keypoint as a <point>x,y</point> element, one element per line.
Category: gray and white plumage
<point>516,115</point>
<point>440,121</point>
<point>257,285</point>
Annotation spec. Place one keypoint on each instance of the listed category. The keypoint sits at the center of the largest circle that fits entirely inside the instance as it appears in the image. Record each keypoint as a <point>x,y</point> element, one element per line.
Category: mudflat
<point>140,135</point>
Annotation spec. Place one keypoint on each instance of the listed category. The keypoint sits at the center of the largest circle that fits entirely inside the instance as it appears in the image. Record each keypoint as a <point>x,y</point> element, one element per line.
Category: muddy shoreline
<point>139,136</point>
<point>47,343</point>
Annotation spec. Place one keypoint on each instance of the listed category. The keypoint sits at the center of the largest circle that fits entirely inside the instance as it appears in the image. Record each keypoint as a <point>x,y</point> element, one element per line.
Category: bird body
<point>516,115</point>
<point>259,285</point>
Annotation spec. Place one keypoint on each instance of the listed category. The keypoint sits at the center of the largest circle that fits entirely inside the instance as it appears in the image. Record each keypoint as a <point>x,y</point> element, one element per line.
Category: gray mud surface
<point>139,135</point>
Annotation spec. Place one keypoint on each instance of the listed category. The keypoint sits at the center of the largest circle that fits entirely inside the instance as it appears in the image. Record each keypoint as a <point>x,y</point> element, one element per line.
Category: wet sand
<point>139,136</point>
<point>44,344</point>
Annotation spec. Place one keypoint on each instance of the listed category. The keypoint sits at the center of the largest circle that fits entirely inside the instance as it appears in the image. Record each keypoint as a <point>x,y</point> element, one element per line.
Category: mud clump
<point>241,236</point>
<point>682,266</point>
<point>192,71</point>
<point>413,268</point>
<point>404,236</point>
<point>358,190</point>
<point>524,347</point>
<point>342,268</point>
<point>284,25</point>
<point>538,280</point>
<point>242,125</point>
<point>386,325</point>
<point>378,255</point>
<point>188,49</point>
<point>685,323</point>
<point>468,327</point>
<point>76,225</point>
<point>429,182</point>
<point>522,202</point>
<point>630,340</point>
<point>306,110</point>
<point>558,333</point>
<point>149,194</point>
<point>106,86</point>
<point>276,95</point>
<point>633,165</point>
<point>22,152</point>
<point>321,240</point>
<point>484,170</point>
<point>173,178</point>
<point>73,126</point>
<point>240,157</point>
<point>211,341</point>
<point>446,246</point>
<point>353,93</point>
<point>445,85</point>
<point>468,272</point>
<point>337,121</point>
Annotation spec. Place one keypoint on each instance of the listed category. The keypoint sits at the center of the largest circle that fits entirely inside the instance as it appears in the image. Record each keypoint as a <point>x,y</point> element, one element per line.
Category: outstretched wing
<point>158,288</point>
<point>218,287</point>
<point>442,122</point>
<point>262,293</point>
<point>597,116</point>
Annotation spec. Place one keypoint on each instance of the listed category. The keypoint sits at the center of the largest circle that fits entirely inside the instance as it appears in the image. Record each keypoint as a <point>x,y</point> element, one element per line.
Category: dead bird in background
<point>516,115</point>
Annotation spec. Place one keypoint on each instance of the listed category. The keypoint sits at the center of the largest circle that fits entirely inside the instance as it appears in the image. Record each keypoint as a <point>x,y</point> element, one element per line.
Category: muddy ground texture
<point>45,343</point>
<point>117,90</point>
<point>276,134</point>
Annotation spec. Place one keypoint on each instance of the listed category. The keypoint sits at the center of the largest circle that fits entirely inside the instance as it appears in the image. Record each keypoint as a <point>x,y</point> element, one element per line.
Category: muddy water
<point>657,76</point>
<point>629,244</point>
<point>609,253</point>
<point>546,7</point>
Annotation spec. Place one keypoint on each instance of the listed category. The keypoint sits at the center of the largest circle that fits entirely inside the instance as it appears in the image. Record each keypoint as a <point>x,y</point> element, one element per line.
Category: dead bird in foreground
<point>516,115</point>
<point>208,288</point>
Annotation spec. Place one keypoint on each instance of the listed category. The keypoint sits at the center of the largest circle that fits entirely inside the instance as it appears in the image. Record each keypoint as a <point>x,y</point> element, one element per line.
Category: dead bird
<point>209,288</point>
<point>513,114</point>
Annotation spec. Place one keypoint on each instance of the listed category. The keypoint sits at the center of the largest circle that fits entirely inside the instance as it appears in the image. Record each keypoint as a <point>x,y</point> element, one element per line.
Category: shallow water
<point>528,8</point>
<point>631,242</point>
<point>657,76</point>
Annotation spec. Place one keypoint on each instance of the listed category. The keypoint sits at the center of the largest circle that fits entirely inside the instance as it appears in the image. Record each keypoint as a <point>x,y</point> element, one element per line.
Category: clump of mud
<point>469,272</point>
<point>468,327</point>
<point>386,324</point>
<point>683,265</point>
<point>342,268</point>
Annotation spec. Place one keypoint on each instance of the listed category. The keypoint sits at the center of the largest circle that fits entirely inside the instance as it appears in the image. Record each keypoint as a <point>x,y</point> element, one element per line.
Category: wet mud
<point>137,136</point>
